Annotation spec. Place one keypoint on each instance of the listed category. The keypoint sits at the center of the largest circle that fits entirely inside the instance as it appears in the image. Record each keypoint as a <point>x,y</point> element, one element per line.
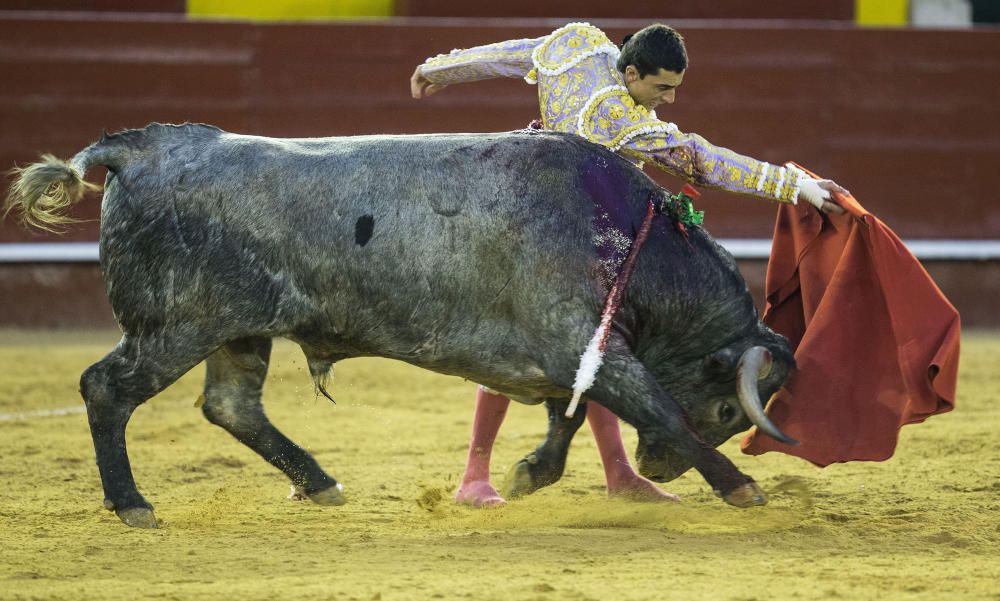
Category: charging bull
<point>475,255</point>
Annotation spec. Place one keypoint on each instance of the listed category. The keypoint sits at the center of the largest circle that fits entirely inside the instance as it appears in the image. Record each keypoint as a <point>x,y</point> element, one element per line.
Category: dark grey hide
<point>468,255</point>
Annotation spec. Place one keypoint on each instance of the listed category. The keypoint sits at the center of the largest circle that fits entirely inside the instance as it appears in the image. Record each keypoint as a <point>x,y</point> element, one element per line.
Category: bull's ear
<point>722,363</point>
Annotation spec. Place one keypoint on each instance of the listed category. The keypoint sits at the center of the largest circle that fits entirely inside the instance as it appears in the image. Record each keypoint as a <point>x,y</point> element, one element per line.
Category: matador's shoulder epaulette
<point>565,47</point>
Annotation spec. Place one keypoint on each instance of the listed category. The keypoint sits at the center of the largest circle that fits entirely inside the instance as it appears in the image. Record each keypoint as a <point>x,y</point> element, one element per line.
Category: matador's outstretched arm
<point>503,59</point>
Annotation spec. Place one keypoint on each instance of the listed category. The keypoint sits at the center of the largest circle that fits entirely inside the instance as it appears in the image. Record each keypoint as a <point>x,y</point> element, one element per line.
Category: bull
<point>469,254</point>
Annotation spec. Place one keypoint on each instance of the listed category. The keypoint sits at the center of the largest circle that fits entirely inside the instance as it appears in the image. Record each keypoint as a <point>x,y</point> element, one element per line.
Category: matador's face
<point>653,89</point>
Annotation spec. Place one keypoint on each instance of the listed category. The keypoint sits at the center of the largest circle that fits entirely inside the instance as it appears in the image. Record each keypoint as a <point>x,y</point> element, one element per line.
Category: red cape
<point>876,342</point>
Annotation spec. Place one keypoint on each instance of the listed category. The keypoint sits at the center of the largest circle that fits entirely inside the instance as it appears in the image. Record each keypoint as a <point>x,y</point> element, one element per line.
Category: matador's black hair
<point>653,48</point>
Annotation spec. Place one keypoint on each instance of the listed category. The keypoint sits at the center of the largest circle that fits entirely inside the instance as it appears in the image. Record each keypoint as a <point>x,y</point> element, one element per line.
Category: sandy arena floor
<point>924,525</point>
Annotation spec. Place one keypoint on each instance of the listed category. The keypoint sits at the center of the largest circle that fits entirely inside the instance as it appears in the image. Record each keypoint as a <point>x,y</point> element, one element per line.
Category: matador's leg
<point>476,489</point>
<point>622,480</point>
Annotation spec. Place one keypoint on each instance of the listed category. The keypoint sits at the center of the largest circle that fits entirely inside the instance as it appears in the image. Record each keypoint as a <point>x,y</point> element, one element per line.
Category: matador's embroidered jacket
<point>580,90</point>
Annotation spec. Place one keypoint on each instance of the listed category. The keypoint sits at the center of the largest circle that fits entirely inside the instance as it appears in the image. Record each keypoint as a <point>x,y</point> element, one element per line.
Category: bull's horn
<point>755,363</point>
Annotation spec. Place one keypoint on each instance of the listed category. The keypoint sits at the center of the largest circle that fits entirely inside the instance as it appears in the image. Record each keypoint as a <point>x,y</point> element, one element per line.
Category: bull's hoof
<point>137,517</point>
<point>333,495</point>
<point>519,482</point>
<point>746,495</point>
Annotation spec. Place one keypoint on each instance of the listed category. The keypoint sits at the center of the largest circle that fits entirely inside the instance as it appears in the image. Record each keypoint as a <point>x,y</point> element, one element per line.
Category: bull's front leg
<point>545,465</point>
<point>628,389</point>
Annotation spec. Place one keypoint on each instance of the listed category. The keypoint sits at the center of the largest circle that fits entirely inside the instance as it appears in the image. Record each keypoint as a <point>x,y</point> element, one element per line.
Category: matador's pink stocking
<point>622,480</point>
<point>476,489</point>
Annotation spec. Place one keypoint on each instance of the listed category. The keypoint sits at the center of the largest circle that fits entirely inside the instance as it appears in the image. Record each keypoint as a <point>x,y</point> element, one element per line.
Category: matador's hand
<point>817,193</point>
<point>420,86</point>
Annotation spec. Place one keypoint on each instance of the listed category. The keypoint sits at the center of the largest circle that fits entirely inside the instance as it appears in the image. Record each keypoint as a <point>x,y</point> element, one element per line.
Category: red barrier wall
<point>662,10</point>
<point>134,6</point>
<point>570,9</point>
<point>907,119</point>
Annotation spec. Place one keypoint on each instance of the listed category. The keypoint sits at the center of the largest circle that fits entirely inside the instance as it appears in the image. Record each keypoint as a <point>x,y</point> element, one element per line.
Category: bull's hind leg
<point>545,465</point>
<point>137,369</point>
<point>233,383</point>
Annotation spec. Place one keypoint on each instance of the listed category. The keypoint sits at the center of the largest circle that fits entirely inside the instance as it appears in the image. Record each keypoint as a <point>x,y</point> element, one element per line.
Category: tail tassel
<point>43,192</point>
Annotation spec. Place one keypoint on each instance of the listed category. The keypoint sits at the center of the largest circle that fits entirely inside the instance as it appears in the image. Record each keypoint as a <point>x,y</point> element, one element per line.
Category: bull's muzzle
<point>659,464</point>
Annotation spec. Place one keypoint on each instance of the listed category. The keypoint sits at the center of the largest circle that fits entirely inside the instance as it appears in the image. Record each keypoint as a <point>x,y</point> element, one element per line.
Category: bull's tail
<point>44,191</point>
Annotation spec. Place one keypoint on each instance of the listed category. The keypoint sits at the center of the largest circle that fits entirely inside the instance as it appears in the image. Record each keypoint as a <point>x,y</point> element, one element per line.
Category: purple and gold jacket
<point>580,90</point>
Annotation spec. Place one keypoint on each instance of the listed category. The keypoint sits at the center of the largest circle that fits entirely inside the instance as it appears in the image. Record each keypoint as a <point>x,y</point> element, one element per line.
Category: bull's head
<point>726,396</point>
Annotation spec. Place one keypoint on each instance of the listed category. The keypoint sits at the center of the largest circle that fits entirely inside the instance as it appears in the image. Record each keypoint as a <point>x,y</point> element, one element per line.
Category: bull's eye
<point>726,413</point>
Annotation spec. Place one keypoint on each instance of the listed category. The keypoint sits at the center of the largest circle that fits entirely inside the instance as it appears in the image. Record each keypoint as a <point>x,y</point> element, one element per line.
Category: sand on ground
<point>924,525</point>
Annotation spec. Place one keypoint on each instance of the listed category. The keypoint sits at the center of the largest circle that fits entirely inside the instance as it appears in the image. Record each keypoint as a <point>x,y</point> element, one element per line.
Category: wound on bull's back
<point>363,229</point>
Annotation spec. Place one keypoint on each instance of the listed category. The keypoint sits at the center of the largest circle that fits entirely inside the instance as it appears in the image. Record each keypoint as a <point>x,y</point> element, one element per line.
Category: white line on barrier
<point>925,250</point>
<point>23,415</point>
<point>49,252</point>
<point>741,248</point>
